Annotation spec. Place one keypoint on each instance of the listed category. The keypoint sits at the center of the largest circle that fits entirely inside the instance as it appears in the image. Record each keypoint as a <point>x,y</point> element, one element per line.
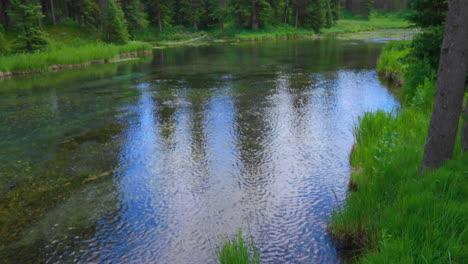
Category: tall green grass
<point>392,61</point>
<point>350,25</point>
<point>399,214</point>
<point>237,251</point>
<point>66,55</point>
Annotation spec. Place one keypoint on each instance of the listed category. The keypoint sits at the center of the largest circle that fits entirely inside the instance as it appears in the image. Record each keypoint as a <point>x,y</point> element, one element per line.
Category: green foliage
<point>238,252</point>
<point>135,15</point>
<point>31,40</point>
<point>368,6</point>
<point>90,14</point>
<point>114,24</point>
<point>426,46</point>
<point>26,15</point>
<point>68,55</point>
<point>396,216</point>
<point>426,13</point>
<point>335,6</point>
<point>392,61</point>
<point>3,43</point>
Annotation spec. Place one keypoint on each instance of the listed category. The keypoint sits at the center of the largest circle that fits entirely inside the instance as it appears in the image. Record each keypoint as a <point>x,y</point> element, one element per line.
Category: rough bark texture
<point>450,87</point>
<point>464,136</point>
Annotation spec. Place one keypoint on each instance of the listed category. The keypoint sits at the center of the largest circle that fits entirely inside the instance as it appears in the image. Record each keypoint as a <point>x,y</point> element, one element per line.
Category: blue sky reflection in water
<point>205,140</point>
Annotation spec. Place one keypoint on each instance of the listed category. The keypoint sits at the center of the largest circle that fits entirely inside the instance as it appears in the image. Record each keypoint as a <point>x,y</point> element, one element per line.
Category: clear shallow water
<point>159,161</point>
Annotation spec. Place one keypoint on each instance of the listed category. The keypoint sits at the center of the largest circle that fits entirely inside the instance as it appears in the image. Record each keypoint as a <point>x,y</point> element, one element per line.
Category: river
<point>160,160</point>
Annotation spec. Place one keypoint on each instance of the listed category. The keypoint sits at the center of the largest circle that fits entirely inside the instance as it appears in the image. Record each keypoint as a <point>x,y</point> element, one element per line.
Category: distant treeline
<point>120,20</point>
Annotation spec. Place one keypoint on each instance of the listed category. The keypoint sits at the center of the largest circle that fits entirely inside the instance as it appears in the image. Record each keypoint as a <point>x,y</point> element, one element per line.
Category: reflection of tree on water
<point>251,127</point>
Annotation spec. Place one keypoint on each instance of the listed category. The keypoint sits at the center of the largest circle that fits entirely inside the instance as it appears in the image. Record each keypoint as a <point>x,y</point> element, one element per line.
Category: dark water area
<point>161,160</point>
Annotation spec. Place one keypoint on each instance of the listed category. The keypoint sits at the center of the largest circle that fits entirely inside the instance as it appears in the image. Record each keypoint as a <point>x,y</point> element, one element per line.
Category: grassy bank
<point>396,215</point>
<point>72,45</point>
<point>173,36</point>
<point>67,55</point>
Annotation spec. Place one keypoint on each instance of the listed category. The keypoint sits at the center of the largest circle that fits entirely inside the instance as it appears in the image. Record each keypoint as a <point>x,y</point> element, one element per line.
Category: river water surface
<point>162,159</point>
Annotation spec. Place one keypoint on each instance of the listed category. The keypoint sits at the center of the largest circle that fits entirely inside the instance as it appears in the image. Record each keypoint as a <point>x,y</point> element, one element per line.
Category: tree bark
<point>450,87</point>
<point>52,12</point>
<point>254,16</point>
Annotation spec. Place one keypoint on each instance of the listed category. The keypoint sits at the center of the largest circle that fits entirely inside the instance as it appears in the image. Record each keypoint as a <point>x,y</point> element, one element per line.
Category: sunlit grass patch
<point>68,55</point>
<point>397,214</point>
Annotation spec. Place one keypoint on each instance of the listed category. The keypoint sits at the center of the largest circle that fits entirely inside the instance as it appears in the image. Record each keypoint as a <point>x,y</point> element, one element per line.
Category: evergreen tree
<point>3,45</point>
<point>328,13</point>
<point>335,6</point>
<point>316,14</point>
<point>114,23</point>
<point>430,15</point>
<point>134,14</point>
<point>88,13</point>
<point>27,16</point>
<point>160,11</point>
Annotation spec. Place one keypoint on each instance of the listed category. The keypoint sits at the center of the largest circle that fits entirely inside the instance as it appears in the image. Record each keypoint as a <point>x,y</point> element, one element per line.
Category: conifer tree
<point>134,14</point>
<point>27,16</point>
<point>161,12</point>
<point>114,23</point>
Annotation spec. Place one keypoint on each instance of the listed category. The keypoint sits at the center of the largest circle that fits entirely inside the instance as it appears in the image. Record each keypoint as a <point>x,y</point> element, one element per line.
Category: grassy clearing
<point>237,251</point>
<point>41,61</point>
<point>398,215</point>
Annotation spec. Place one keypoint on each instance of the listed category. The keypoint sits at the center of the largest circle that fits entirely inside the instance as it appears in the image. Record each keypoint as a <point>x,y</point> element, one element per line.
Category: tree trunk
<point>450,87</point>
<point>286,12</point>
<point>221,19</point>
<point>52,12</point>
<point>195,26</point>
<point>6,18</point>
<point>160,21</point>
<point>464,135</point>
<point>254,16</point>
<point>297,18</point>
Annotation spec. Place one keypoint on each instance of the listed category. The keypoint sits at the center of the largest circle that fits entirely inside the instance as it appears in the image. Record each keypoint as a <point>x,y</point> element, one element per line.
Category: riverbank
<point>342,26</point>
<point>71,47</point>
<point>395,215</point>
<point>69,58</point>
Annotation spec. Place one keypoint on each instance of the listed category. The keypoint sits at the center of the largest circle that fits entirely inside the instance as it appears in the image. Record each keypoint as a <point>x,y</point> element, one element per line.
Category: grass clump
<point>237,251</point>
